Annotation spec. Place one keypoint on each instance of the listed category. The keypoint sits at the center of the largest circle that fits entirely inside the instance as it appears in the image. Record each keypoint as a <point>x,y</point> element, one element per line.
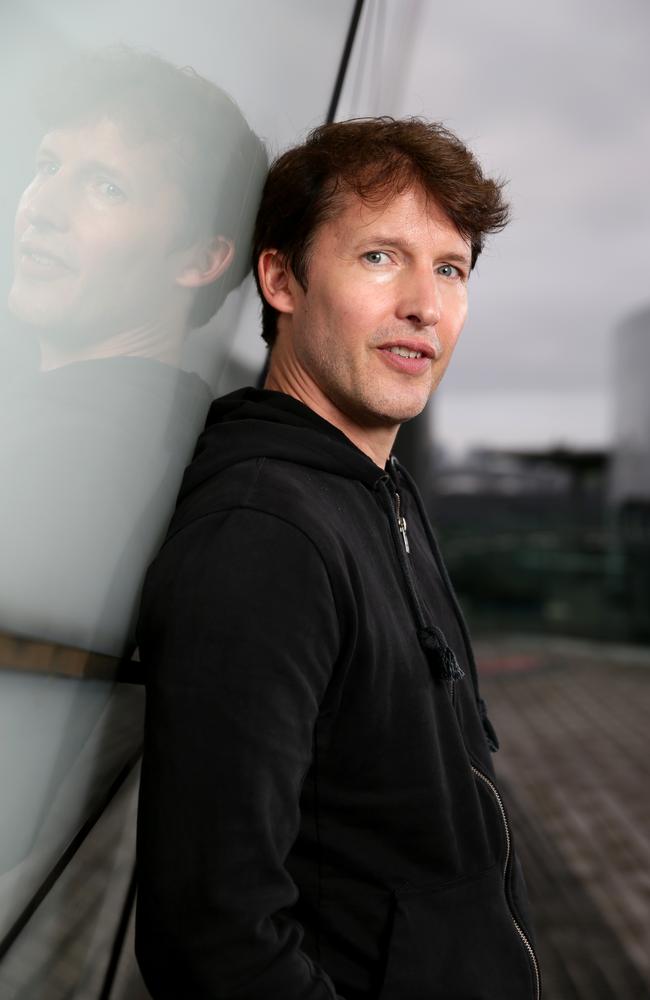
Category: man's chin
<point>27,311</point>
<point>34,312</point>
<point>405,410</point>
<point>388,418</point>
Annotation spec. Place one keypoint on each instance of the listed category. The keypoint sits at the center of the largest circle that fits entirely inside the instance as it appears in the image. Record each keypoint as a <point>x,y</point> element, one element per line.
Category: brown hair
<point>376,159</point>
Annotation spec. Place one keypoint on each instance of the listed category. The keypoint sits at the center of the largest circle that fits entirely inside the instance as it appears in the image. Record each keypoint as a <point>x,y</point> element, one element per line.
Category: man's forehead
<point>396,214</point>
<point>100,129</point>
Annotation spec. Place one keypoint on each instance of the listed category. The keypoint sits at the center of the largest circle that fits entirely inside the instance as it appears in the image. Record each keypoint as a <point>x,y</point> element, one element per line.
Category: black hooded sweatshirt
<point>318,813</point>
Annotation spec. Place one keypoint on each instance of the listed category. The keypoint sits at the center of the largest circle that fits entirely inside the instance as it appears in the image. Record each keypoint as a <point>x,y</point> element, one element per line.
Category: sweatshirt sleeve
<point>238,635</point>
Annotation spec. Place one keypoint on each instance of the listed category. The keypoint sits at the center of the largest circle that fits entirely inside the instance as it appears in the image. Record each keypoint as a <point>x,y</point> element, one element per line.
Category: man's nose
<point>420,301</point>
<point>46,204</point>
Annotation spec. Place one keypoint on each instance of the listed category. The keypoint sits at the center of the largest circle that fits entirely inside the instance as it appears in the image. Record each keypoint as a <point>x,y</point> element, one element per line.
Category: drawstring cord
<point>488,728</point>
<point>440,656</point>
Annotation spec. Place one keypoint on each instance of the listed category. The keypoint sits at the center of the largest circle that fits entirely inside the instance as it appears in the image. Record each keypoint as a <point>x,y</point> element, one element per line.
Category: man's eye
<point>109,190</point>
<point>449,271</point>
<point>47,167</point>
<point>376,257</point>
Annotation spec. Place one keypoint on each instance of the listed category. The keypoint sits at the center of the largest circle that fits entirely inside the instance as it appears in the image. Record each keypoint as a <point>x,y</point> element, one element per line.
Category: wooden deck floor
<point>573,720</point>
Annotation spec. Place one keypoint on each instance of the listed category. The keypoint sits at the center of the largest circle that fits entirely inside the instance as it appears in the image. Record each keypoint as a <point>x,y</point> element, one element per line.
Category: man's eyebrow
<point>404,244</point>
<point>45,150</point>
<point>386,238</point>
<point>458,258</point>
<point>101,167</point>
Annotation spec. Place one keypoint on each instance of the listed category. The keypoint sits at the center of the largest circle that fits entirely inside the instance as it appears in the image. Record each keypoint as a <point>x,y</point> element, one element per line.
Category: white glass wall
<point>139,135</point>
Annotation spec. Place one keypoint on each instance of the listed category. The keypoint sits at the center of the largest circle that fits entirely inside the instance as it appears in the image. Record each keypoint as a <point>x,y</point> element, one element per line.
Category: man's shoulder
<point>258,514</point>
<point>267,453</point>
<point>278,487</point>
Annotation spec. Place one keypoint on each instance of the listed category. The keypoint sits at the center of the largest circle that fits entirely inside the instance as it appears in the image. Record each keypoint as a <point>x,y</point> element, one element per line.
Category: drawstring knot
<point>439,653</point>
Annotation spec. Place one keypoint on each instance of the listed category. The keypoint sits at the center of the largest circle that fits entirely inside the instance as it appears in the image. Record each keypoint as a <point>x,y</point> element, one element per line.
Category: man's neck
<point>375,442</point>
<point>148,341</point>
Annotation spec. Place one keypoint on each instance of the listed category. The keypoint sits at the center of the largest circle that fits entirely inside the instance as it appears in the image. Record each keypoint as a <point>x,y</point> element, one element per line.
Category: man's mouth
<point>46,259</point>
<point>37,259</point>
<point>404,352</point>
<point>413,348</point>
<point>413,357</point>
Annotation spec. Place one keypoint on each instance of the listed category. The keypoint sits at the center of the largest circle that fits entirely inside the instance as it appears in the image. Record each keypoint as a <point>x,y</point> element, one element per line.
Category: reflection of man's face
<point>98,236</point>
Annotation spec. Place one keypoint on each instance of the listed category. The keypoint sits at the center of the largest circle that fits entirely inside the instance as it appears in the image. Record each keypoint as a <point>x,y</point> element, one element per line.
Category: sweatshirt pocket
<point>456,942</point>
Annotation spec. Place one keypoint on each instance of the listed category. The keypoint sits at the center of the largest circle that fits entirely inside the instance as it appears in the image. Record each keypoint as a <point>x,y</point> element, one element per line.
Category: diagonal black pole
<point>345,59</point>
<point>120,937</point>
<point>70,851</point>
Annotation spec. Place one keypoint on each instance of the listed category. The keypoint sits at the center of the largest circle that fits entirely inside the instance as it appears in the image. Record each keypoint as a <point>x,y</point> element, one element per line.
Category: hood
<point>255,423</point>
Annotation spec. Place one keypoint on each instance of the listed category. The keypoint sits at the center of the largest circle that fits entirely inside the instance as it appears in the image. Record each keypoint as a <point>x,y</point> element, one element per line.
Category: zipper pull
<point>401,523</point>
<point>405,538</point>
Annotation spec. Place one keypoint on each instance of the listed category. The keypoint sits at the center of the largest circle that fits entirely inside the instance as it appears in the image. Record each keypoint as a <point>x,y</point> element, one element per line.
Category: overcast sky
<point>556,97</point>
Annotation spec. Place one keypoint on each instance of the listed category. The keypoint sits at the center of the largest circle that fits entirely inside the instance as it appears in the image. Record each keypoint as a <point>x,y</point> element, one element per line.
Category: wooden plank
<point>37,657</point>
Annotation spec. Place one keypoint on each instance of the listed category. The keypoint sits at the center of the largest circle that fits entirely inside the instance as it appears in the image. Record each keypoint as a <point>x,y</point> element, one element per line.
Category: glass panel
<point>128,307</point>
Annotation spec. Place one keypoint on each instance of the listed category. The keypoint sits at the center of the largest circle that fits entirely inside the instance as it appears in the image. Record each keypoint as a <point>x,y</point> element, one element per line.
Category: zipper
<point>401,523</point>
<point>528,946</point>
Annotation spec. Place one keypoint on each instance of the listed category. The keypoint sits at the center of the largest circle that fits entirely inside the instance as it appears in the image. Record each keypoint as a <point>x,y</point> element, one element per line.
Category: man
<point>135,226</point>
<point>318,815</point>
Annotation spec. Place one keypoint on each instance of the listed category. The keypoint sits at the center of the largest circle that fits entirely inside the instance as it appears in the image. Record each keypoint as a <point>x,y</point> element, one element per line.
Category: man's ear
<point>209,261</point>
<point>276,280</point>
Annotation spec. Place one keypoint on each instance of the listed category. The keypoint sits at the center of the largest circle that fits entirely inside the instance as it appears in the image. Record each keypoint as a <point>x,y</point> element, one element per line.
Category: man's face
<point>385,303</point>
<point>97,235</point>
